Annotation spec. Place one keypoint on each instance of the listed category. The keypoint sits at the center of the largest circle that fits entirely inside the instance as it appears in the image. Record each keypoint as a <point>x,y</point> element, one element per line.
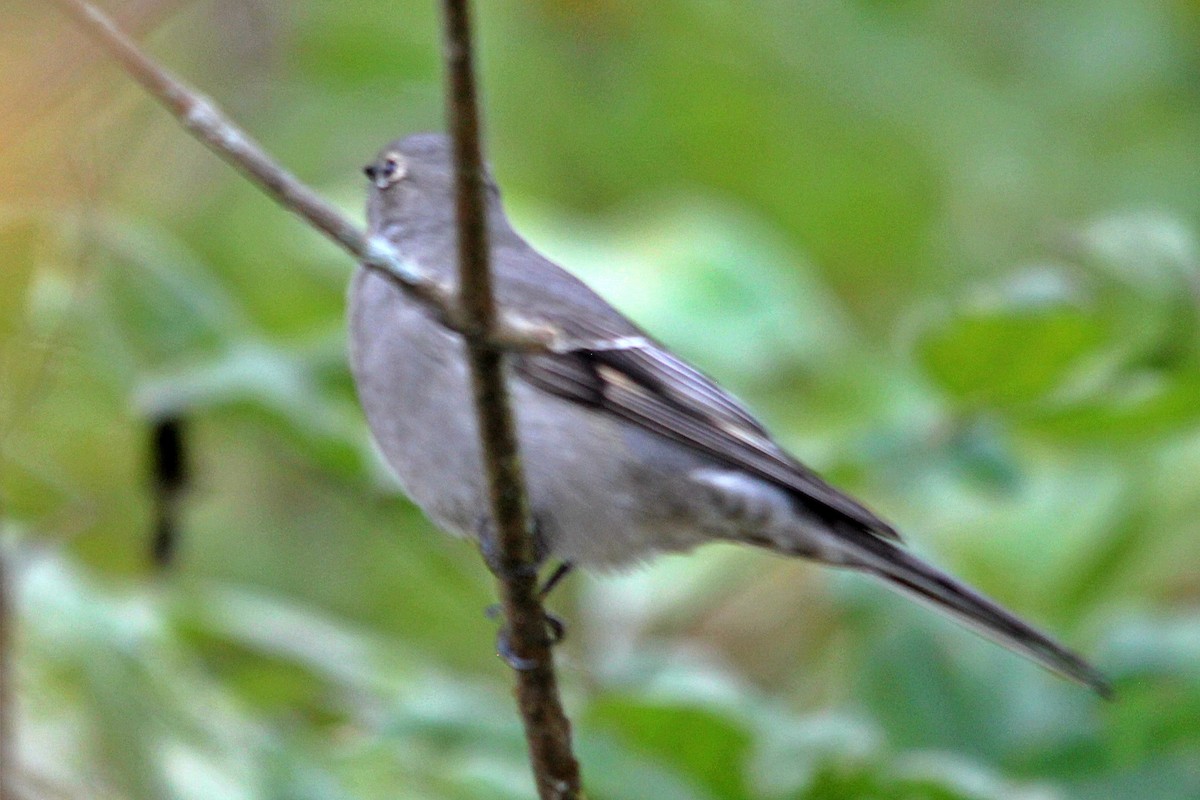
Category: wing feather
<point>648,386</point>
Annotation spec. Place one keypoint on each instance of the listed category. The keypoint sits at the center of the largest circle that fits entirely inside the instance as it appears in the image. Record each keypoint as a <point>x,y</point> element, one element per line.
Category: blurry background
<point>949,251</point>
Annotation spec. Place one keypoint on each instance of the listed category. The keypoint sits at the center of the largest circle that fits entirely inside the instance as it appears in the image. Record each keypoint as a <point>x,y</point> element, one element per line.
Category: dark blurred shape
<point>169,480</point>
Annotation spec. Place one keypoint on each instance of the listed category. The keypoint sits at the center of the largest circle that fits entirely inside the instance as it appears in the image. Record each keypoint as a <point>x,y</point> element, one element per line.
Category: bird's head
<point>413,178</point>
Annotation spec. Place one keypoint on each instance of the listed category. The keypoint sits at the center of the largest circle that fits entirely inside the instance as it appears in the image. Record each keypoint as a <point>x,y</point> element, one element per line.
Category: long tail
<point>909,574</point>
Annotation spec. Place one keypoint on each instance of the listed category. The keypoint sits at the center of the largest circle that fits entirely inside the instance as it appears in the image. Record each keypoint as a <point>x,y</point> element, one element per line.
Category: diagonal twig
<point>547,728</point>
<point>205,121</point>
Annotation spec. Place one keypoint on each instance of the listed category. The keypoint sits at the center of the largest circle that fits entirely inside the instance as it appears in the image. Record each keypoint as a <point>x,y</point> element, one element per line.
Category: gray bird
<point>628,451</point>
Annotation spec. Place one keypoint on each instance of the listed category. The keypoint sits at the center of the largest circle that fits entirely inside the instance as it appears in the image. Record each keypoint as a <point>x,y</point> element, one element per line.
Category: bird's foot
<point>556,631</point>
<point>505,650</point>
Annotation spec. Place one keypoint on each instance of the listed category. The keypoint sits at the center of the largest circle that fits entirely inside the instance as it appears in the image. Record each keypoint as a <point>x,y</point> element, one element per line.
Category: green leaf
<point>1014,349</point>
<point>699,742</point>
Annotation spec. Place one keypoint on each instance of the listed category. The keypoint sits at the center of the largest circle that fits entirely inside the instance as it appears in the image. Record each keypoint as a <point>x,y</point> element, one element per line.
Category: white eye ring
<point>391,170</point>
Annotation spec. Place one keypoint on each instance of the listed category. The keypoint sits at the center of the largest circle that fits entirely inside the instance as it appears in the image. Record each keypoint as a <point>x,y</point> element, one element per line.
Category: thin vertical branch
<point>486,329</point>
<point>547,728</point>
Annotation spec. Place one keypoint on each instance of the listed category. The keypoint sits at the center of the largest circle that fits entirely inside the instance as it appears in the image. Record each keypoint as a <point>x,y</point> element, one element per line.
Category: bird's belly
<point>414,390</point>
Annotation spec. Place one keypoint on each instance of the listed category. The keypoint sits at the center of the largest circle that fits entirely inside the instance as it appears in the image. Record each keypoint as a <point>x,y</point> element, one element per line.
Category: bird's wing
<point>639,381</point>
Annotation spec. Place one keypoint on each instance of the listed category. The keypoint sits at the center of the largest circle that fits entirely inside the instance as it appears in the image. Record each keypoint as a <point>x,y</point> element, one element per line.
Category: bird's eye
<point>391,169</point>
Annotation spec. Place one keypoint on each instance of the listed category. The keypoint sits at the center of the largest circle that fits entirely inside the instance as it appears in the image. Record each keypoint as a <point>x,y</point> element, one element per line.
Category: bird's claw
<point>556,631</point>
<point>505,651</point>
<point>556,626</point>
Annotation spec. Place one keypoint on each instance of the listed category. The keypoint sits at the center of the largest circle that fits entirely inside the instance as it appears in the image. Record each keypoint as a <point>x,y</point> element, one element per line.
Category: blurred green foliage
<point>950,251</point>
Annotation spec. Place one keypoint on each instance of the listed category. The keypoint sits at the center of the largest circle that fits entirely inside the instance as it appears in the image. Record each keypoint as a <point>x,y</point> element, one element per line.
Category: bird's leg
<point>556,627</point>
<point>554,623</point>
<point>560,572</point>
